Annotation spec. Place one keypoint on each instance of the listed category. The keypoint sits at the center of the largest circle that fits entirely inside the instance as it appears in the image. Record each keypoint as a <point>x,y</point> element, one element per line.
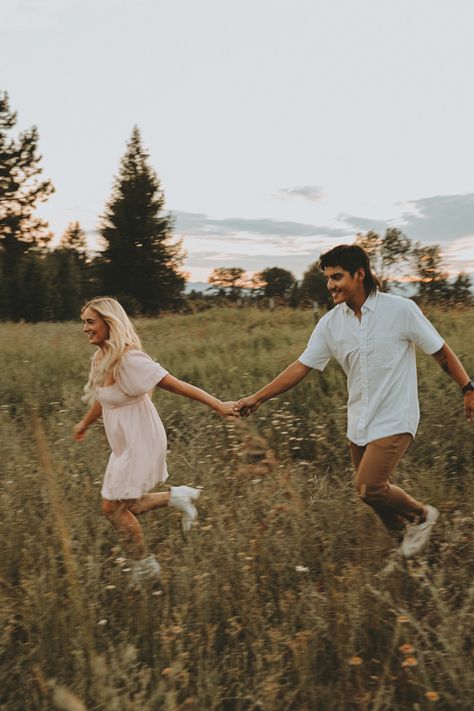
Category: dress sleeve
<point>138,373</point>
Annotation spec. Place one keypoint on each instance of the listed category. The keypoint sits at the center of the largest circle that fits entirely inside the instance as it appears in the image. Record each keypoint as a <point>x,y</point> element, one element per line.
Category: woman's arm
<point>179,387</point>
<point>88,419</point>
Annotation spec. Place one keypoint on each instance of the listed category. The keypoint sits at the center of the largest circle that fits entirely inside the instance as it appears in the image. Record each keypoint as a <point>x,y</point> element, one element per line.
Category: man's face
<point>342,285</point>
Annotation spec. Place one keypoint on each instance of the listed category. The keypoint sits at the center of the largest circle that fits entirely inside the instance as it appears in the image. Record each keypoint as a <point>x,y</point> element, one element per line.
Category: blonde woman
<point>120,380</point>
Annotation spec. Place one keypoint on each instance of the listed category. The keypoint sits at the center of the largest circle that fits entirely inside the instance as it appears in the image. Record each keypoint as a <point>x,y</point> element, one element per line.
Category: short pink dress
<point>134,430</point>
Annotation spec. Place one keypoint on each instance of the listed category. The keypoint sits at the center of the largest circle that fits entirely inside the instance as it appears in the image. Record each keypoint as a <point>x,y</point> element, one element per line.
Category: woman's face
<point>94,327</point>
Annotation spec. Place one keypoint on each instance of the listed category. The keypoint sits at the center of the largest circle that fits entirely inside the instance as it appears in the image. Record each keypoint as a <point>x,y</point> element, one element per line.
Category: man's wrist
<point>468,387</point>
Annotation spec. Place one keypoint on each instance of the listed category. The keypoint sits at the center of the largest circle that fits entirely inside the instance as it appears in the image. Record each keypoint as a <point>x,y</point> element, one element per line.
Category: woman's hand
<point>228,409</point>
<point>79,431</point>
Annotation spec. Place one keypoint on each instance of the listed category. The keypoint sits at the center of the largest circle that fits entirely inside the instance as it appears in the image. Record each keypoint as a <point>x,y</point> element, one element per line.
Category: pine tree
<point>20,191</point>
<point>140,264</point>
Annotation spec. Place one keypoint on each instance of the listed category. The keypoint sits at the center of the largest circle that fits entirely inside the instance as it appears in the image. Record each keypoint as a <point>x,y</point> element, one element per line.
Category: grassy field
<point>286,596</point>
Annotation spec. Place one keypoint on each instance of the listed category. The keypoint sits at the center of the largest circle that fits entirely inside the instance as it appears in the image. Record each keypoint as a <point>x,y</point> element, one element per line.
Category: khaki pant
<point>374,464</point>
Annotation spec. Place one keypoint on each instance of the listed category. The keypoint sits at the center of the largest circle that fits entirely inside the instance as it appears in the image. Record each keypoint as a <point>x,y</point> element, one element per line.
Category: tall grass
<point>287,595</point>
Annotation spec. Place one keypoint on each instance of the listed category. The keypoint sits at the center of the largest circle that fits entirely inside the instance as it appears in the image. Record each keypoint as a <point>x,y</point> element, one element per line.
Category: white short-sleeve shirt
<point>377,355</point>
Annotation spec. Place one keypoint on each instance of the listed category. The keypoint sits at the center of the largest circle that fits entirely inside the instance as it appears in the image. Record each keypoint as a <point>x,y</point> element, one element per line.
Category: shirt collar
<point>368,305</point>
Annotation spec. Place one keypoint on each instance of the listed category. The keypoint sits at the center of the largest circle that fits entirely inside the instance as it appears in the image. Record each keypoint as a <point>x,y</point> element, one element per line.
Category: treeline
<point>396,260</point>
<point>139,260</point>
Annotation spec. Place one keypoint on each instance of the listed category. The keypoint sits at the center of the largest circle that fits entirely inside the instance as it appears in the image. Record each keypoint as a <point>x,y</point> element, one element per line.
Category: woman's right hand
<point>79,431</point>
<point>228,409</point>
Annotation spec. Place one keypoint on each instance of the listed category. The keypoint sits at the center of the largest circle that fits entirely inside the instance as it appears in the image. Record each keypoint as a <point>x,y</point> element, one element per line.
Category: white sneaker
<point>417,535</point>
<point>182,497</point>
<point>146,569</point>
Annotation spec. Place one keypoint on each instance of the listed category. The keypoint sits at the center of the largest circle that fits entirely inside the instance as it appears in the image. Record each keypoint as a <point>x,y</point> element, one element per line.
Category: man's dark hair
<point>351,257</point>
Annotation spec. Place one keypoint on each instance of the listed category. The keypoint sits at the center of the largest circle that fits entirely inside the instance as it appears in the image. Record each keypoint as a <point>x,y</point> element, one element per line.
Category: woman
<point>120,380</point>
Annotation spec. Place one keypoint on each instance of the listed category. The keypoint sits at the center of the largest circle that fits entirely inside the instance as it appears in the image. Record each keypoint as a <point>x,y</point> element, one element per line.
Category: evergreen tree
<point>20,191</point>
<point>140,265</point>
<point>74,238</point>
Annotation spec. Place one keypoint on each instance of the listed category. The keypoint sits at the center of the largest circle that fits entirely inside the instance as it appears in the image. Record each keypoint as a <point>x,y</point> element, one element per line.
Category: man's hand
<point>247,405</point>
<point>469,405</point>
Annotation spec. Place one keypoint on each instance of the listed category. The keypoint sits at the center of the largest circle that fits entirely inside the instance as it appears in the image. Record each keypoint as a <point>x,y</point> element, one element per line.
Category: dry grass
<point>287,596</point>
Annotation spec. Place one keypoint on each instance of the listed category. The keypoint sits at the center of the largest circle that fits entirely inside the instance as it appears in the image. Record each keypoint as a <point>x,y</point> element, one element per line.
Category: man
<point>373,335</point>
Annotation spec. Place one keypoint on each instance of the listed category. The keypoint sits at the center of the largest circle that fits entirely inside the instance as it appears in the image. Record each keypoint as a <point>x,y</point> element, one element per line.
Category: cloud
<point>363,224</point>
<point>200,224</point>
<point>440,218</point>
<point>27,15</point>
<point>296,263</point>
<point>313,193</point>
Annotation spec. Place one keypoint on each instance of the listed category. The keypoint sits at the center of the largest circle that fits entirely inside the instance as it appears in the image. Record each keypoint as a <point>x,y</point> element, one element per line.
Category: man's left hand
<point>469,405</point>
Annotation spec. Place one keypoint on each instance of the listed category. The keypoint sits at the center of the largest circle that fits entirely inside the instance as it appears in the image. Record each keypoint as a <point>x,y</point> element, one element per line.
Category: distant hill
<point>196,286</point>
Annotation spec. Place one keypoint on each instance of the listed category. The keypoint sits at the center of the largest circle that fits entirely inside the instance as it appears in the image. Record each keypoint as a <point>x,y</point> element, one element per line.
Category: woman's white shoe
<point>182,497</point>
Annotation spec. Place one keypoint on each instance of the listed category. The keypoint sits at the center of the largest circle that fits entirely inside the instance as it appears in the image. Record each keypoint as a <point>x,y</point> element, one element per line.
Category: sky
<point>278,128</point>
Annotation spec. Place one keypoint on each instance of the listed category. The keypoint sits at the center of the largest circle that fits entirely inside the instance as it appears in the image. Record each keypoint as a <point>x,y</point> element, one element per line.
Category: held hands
<point>228,409</point>
<point>247,405</point>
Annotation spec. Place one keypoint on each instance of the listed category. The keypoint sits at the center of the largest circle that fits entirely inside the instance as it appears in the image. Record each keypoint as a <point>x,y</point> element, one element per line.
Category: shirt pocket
<point>386,352</point>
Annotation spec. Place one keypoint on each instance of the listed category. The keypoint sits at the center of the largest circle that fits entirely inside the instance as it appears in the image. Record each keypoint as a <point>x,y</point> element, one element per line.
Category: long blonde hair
<point>122,336</point>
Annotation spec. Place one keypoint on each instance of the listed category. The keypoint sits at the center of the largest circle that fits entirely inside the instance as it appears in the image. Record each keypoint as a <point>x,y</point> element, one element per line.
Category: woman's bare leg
<point>127,526</point>
<point>148,502</point>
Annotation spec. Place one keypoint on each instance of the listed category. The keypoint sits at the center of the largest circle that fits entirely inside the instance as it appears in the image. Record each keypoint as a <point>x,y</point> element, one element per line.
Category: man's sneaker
<point>182,497</point>
<point>146,569</point>
<point>417,535</point>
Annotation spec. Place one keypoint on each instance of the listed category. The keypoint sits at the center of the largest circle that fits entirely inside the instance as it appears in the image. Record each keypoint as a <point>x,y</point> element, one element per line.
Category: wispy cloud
<point>363,224</point>
<point>312,193</point>
<point>440,218</point>
<point>198,223</point>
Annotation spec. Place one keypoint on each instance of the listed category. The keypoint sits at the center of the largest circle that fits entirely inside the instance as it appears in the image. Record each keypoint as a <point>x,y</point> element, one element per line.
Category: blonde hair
<point>122,336</point>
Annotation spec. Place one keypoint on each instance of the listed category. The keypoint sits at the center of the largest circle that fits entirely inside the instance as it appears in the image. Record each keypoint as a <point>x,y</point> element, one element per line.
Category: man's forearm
<point>451,365</point>
<point>285,381</point>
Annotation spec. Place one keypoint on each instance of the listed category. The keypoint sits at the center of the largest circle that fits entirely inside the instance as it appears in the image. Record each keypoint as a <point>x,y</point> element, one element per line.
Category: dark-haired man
<point>373,336</point>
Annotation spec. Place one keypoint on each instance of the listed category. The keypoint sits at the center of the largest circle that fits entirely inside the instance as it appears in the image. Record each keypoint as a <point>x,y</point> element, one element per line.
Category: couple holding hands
<point>371,334</point>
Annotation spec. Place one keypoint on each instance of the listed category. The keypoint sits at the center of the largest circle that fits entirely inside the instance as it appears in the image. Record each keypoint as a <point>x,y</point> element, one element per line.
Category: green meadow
<point>287,595</point>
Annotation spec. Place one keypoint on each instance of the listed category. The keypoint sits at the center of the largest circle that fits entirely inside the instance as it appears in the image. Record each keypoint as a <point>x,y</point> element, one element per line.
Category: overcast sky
<point>278,128</point>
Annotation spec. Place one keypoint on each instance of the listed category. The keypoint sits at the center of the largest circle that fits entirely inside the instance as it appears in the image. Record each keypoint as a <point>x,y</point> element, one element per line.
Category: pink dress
<point>134,430</point>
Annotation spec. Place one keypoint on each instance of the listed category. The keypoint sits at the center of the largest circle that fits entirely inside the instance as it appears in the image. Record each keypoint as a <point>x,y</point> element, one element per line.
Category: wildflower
<point>432,695</point>
<point>301,569</point>
<point>355,661</point>
<point>409,662</point>
<point>407,649</point>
